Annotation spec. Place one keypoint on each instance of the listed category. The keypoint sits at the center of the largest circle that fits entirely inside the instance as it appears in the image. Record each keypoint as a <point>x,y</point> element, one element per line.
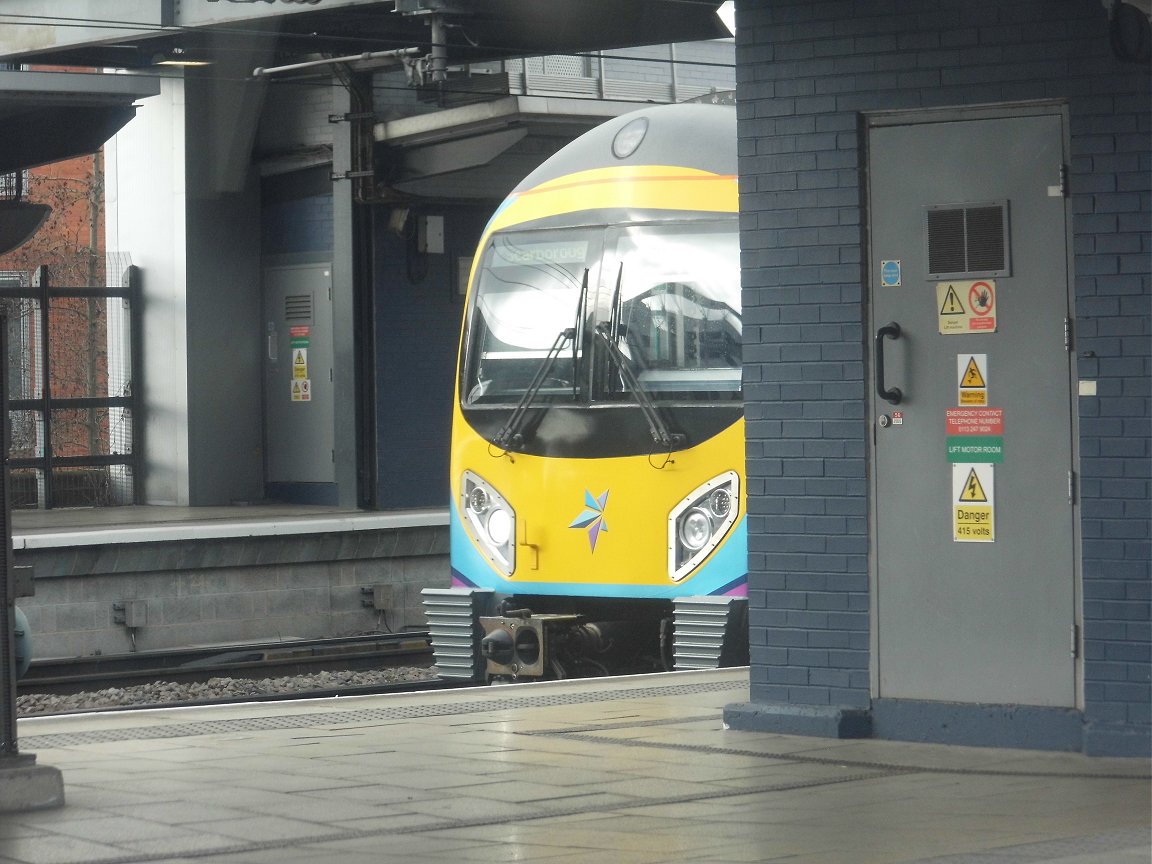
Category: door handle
<point>888,394</point>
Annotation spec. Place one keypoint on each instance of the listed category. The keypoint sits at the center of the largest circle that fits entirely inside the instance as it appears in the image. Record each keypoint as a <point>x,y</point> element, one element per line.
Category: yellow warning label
<point>972,379</point>
<point>973,503</point>
<point>301,390</point>
<point>974,524</point>
<point>966,307</point>
<point>300,363</point>
<point>972,490</point>
<point>972,376</point>
<point>952,304</point>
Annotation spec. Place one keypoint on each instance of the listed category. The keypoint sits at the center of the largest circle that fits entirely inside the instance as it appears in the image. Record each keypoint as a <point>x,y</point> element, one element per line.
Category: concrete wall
<point>172,208</point>
<point>147,220</point>
<point>227,591</point>
<point>805,69</point>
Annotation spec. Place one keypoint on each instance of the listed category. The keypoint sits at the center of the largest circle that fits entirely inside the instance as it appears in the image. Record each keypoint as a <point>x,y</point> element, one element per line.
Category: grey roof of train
<point>697,135</point>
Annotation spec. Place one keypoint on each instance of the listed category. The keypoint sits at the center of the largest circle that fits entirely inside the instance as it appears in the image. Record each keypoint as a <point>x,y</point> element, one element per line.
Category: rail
<point>295,657</point>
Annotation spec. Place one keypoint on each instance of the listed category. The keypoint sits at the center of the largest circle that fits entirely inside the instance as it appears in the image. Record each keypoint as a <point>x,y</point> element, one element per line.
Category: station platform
<point>631,770</point>
<point>200,576</point>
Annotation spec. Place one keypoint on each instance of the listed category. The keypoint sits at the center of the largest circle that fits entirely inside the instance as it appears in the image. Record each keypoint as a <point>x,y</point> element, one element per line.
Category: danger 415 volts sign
<point>973,502</point>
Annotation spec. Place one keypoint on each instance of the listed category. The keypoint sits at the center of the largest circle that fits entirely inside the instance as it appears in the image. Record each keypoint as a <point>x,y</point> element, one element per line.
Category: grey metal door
<point>299,436</point>
<point>974,583</point>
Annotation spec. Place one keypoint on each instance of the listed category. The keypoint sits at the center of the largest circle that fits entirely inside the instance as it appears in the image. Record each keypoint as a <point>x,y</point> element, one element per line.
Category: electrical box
<point>130,613</point>
<point>378,597</point>
<point>430,234</point>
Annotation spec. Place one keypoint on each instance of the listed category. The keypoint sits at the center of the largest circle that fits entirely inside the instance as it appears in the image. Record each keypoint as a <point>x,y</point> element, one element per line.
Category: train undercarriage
<point>479,636</point>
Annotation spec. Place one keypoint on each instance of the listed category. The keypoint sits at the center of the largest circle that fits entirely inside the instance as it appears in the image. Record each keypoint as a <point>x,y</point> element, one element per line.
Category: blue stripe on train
<point>725,573</point>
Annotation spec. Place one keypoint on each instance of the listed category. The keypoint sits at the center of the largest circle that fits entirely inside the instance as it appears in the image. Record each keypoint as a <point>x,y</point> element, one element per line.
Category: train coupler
<point>520,644</point>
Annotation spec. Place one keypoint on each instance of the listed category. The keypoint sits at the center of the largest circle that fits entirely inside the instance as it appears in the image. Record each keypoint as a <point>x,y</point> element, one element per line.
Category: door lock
<point>884,420</point>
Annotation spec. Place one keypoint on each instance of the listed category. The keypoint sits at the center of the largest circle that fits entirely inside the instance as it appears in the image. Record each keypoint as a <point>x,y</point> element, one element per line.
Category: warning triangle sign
<point>972,376</point>
<point>972,490</point>
<point>951,304</point>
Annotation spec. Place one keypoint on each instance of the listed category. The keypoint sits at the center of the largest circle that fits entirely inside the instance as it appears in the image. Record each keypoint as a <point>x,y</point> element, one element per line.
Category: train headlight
<point>478,500</point>
<point>490,521</point>
<point>699,523</point>
<point>720,503</point>
<point>500,527</point>
<point>629,137</point>
<point>695,529</point>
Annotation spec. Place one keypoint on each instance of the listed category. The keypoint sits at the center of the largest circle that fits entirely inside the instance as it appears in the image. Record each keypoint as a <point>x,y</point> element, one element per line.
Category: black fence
<point>73,408</point>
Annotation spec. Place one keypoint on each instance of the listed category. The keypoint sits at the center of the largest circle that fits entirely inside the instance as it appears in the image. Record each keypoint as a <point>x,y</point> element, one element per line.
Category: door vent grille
<point>298,307</point>
<point>968,240</point>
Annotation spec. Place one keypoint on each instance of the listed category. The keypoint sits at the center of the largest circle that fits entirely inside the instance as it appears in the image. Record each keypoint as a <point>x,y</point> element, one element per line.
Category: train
<point>598,521</point>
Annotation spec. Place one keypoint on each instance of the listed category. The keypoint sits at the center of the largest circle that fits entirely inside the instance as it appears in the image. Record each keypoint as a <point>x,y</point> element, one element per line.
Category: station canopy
<point>138,34</point>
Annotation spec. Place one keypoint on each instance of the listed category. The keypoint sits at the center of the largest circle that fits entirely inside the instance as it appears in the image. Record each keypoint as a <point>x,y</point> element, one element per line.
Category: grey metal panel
<point>963,621</point>
<point>712,129</point>
<point>453,616</point>
<point>700,624</point>
<point>299,434</point>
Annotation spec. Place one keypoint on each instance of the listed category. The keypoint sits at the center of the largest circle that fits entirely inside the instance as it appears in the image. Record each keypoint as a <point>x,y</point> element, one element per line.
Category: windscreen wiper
<point>657,427</point>
<point>511,435</point>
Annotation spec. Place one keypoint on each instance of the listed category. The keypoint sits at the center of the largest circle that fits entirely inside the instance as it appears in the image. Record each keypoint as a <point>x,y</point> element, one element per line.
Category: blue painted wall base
<point>1023,727</point>
<point>1027,727</point>
<point>820,721</point>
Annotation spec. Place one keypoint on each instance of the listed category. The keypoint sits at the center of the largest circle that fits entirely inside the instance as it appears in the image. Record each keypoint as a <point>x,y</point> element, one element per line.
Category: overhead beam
<point>32,26</point>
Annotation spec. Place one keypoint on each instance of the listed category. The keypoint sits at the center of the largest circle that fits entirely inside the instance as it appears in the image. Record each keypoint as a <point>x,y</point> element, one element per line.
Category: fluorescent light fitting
<point>178,57</point>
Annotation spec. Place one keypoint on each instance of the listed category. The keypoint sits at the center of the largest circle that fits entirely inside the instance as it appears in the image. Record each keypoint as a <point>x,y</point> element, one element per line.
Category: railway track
<point>257,660</point>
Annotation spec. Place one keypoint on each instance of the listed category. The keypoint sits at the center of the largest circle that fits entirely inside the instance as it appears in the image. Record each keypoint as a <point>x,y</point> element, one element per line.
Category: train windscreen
<point>674,310</point>
<point>532,289</point>
<point>665,295</point>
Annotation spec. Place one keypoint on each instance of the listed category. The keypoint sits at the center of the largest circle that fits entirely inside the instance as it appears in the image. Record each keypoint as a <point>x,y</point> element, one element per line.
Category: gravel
<point>168,693</point>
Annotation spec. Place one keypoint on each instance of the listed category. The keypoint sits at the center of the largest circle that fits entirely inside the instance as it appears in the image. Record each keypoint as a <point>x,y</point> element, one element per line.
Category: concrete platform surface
<point>627,770</point>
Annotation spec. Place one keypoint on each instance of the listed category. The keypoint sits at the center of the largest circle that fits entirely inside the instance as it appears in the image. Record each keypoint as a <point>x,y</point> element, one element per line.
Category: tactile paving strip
<point>303,720</point>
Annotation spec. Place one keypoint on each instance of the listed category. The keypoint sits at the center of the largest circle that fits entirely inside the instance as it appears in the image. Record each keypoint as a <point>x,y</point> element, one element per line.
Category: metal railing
<point>73,404</point>
<point>642,77</point>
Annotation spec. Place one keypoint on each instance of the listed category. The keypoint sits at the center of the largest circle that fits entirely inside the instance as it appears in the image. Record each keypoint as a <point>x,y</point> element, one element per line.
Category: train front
<point>597,520</point>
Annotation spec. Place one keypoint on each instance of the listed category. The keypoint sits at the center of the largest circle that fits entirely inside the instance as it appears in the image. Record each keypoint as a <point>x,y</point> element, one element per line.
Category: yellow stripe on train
<point>629,546</point>
<point>657,187</point>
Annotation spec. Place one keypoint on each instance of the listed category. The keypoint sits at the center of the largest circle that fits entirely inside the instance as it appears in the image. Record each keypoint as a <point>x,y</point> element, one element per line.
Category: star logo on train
<point>592,517</point>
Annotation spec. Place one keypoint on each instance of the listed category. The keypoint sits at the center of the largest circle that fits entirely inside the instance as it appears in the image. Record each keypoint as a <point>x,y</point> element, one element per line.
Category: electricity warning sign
<point>966,307</point>
<point>299,362</point>
<point>973,503</point>
<point>972,379</point>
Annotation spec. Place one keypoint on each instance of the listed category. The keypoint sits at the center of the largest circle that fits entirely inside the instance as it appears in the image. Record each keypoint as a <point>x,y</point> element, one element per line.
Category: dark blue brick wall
<point>805,70</point>
<point>418,315</point>
<point>296,213</point>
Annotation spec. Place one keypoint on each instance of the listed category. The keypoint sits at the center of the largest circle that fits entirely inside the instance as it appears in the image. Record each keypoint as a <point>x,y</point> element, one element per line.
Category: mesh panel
<point>985,233</point>
<point>574,66</point>
<point>946,241</point>
<point>967,240</point>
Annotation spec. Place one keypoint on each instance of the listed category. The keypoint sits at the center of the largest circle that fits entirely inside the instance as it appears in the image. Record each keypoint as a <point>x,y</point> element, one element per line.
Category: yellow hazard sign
<point>966,307</point>
<point>301,390</point>
<point>973,505</point>
<point>972,379</point>
<point>299,362</point>
<point>972,490</point>
<point>952,304</point>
